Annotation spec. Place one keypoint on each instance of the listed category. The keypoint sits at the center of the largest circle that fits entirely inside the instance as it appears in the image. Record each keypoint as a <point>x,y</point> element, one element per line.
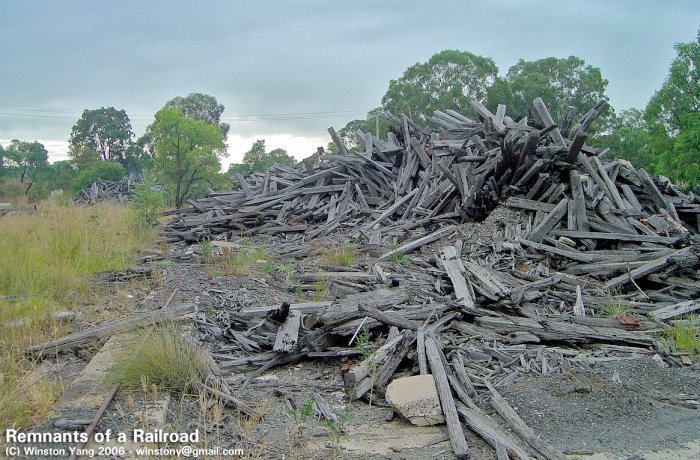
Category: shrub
<point>105,170</point>
<point>146,204</point>
<point>160,356</point>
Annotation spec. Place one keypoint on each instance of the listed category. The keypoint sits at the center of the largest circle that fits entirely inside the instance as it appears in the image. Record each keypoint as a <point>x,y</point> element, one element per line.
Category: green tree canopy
<point>105,132</point>
<point>106,170</point>
<point>560,82</point>
<point>257,159</point>
<point>675,106</point>
<point>375,123</point>
<point>448,80</point>
<point>27,157</point>
<point>665,138</point>
<point>201,107</point>
<point>196,106</point>
<point>187,152</point>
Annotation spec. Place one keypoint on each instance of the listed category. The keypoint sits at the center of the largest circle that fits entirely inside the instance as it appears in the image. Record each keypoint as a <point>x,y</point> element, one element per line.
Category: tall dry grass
<point>47,258</point>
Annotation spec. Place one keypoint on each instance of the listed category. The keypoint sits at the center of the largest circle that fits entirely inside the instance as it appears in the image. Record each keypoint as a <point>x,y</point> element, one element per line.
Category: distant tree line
<point>181,149</point>
<point>184,145</point>
<point>663,138</point>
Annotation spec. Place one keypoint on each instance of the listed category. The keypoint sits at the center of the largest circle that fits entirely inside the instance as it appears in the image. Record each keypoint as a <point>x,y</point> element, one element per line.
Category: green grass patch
<point>399,258</point>
<point>46,254</point>
<point>686,336</point>
<point>322,290</point>
<point>273,268</point>
<point>343,255</point>
<point>614,310</point>
<point>239,262</point>
<point>57,248</point>
<point>159,356</point>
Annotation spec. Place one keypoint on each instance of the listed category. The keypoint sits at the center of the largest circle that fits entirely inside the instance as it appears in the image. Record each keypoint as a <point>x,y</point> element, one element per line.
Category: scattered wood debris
<point>102,190</point>
<point>600,255</point>
<point>595,257</point>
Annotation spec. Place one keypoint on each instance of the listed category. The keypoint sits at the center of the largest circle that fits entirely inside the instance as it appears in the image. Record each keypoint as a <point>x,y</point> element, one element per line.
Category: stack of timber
<point>420,177</point>
<point>102,190</point>
<point>601,260</point>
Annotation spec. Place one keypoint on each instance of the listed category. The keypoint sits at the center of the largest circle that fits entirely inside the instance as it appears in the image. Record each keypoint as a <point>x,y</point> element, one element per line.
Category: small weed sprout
<point>206,247</point>
<point>272,268</point>
<point>685,337</point>
<point>338,427</point>
<point>614,310</point>
<point>363,343</point>
<point>399,258</point>
<point>321,290</point>
<point>343,255</point>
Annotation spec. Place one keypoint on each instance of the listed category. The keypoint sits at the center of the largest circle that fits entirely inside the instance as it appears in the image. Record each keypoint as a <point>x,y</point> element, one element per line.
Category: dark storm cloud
<point>262,58</point>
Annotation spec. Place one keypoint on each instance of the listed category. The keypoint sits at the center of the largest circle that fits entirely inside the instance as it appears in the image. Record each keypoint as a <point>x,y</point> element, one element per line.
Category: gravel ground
<point>588,411</point>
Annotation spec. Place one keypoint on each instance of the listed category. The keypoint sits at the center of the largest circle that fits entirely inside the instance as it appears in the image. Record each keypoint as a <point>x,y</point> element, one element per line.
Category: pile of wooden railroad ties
<point>115,190</point>
<point>592,236</point>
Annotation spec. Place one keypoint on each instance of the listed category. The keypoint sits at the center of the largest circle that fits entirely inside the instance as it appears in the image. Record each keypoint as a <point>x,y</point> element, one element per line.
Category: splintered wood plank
<point>579,256</point>
<point>546,117</point>
<point>500,112</point>
<point>484,426</point>
<point>244,184</point>
<point>618,237</point>
<point>306,308</point>
<point>391,210</point>
<point>363,370</point>
<point>388,318</point>
<point>631,197</point>
<point>575,147</point>
<point>486,113</point>
<point>530,173</point>
<point>415,244</point>
<point>347,275</point>
<point>338,141</point>
<point>350,304</point>
<point>420,151</point>
<point>519,426</point>
<point>609,185</point>
<point>579,309</point>
<point>549,222</point>
<point>484,279</point>
<point>677,309</point>
<point>288,333</point>
<point>420,345</point>
<point>449,410</point>
<point>455,271</point>
<point>121,325</point>
<point>656,195</point>
<point>646,269</point>
<point>530,205</point>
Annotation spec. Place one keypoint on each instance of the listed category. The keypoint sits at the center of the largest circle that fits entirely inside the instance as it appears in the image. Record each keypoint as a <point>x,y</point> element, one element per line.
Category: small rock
<point>616,377</point>
<point>685,359</point>
<point>416,399</point>
<point>63,316</point>
<point>659,360</point>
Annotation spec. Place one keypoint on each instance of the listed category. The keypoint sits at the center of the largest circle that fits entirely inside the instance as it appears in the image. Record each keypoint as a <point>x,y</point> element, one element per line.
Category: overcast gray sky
<point>286,70</point>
